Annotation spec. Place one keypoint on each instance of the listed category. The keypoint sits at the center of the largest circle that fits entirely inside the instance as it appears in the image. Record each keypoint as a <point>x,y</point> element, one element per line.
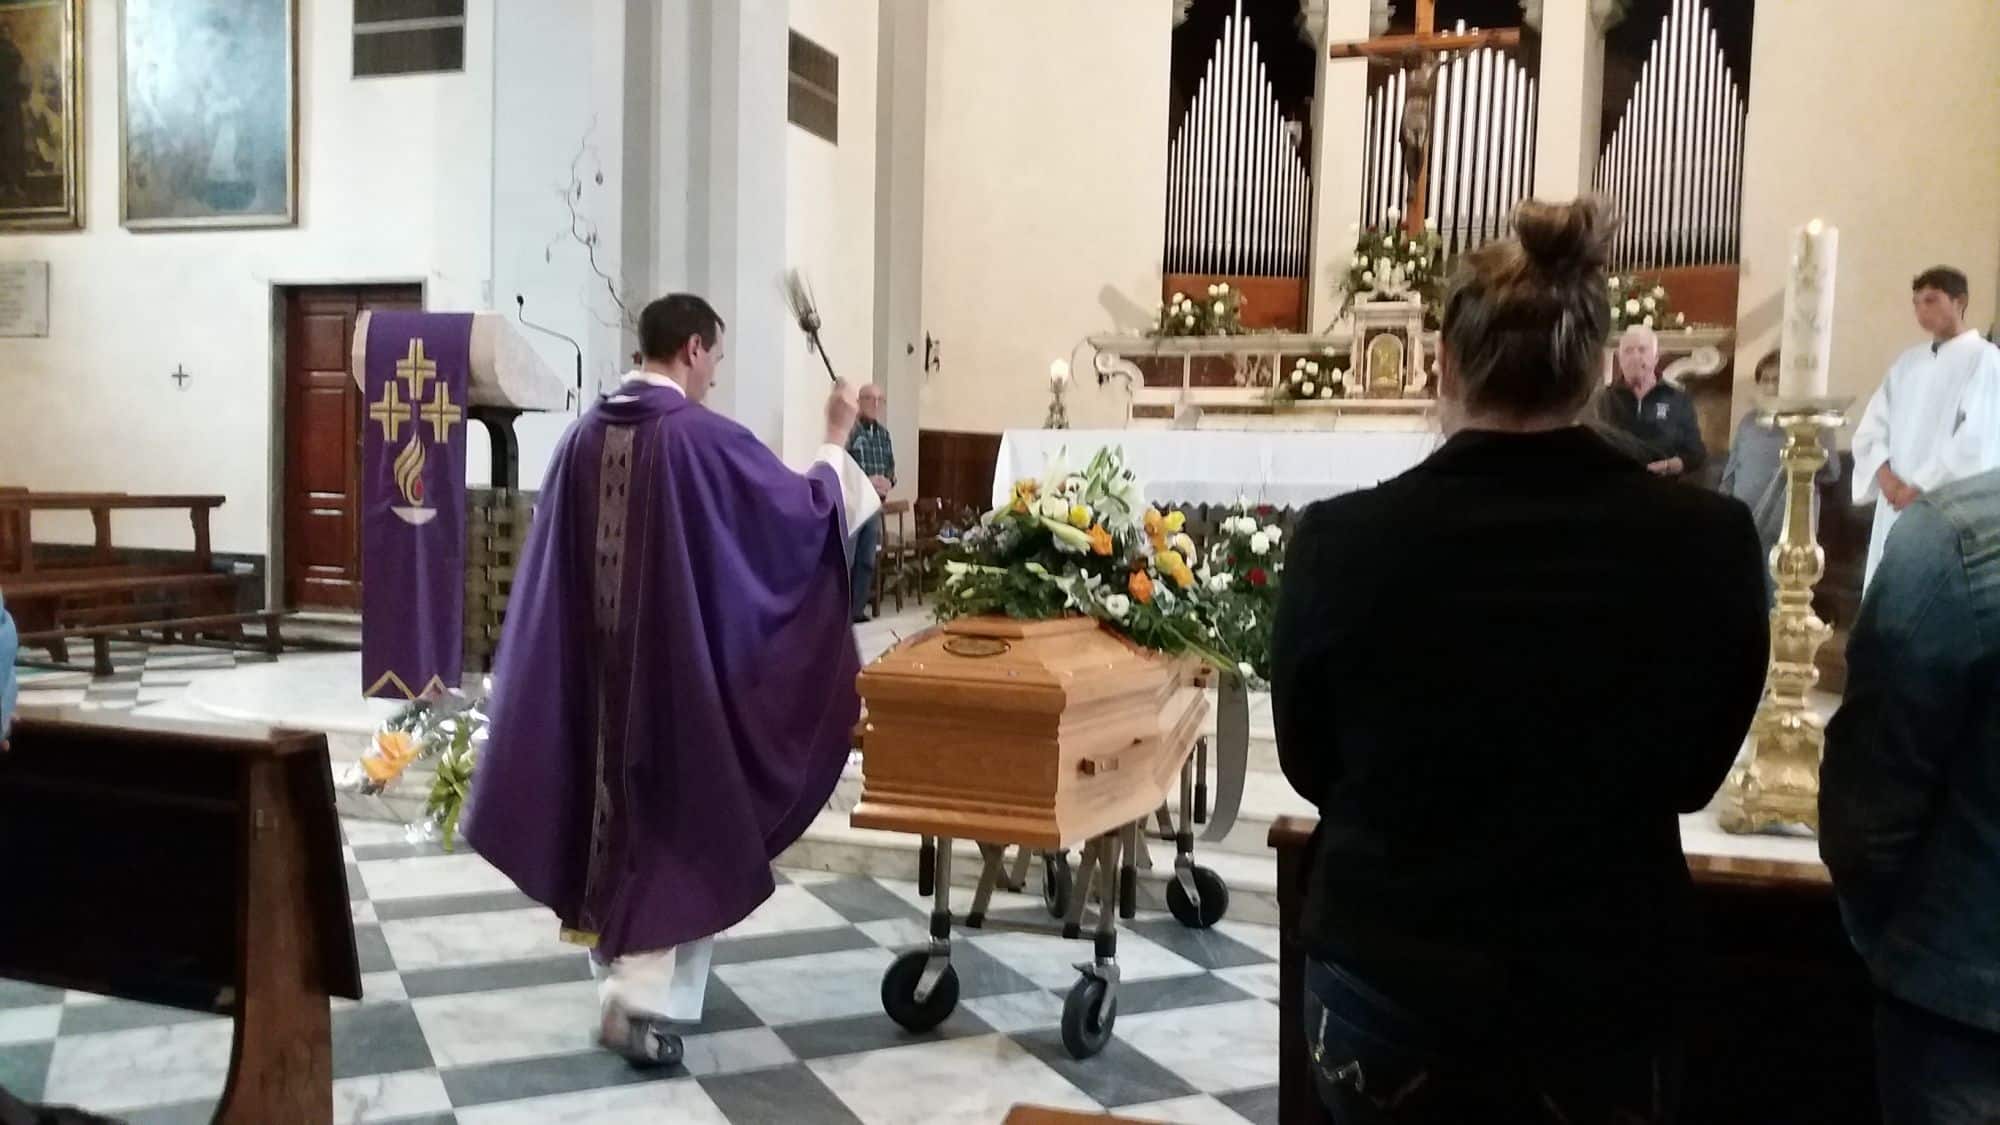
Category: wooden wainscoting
<point>957,467</point>
<point>1704,294</point>
<point>1268,302</point>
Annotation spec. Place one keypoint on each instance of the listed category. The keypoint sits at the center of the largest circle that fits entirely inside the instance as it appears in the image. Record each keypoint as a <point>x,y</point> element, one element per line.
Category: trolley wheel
<point>1214,900</point>
<point>899,993</point>
<point>1058,885</point>
<point>1087,1018</point>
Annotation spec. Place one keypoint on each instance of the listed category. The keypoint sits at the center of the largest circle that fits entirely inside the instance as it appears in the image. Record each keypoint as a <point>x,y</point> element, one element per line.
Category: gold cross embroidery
<point>392,412</point>
<point>442,414</point>
<point>416,370</point>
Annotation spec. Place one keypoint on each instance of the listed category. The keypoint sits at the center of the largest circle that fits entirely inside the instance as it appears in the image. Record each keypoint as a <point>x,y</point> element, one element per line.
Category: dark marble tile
<point>499,975</point>
<point>542,1077</point>
<point>20,994</point>
<point>378,1039</point>
<point>1210,949</point>
<point>799,943</point>
<point>792,1095</point>
<point>1259,1107</point>
<point>722,1011</point>
<point>373,948</point>
<point>124,1015</point>
<point>400,909</point>
<point>1168,993</point>
<point>872,1033</point>
<point>24,1068</point>
<point>982,974</point>
<point>1120,1075</point>
<point>863,900</point>
<point>357,891</point>
<point>185,1113</point>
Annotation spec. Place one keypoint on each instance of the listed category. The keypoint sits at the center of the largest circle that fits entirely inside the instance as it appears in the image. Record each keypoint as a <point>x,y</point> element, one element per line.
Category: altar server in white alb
<point>1936,418</point>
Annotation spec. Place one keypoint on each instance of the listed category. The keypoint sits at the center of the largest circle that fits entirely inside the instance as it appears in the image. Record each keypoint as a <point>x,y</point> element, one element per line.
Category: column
<point>736,200</point>
<point>1570,114</point>
<point>902,66</point>
<point>1340,103</point>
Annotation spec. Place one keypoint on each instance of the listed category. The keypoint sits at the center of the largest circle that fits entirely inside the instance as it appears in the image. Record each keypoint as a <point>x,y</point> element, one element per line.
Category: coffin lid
<point>1039,666</point>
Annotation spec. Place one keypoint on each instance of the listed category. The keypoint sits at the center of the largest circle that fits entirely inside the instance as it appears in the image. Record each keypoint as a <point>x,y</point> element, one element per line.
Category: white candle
<point>1807,340</point>
<point>1059,372</point>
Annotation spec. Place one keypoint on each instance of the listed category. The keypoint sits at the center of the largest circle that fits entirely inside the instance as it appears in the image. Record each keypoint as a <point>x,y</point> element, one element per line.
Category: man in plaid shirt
<point>871,449</point>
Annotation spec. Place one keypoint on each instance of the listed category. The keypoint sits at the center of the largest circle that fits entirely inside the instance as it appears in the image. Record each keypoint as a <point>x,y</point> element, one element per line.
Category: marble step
<point>835,846</point>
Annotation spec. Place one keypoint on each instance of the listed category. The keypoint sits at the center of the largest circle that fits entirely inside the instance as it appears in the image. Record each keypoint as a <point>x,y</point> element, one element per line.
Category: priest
<point>1936,418</point>
<point>674,698</point>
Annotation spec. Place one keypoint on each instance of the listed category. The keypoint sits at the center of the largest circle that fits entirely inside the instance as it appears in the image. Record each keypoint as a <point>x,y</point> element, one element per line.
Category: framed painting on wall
<point>208,113</point>
<point>41,114</point>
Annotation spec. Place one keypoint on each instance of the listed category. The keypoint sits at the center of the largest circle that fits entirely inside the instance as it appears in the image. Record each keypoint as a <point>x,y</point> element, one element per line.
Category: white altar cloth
<point>1285,469</point>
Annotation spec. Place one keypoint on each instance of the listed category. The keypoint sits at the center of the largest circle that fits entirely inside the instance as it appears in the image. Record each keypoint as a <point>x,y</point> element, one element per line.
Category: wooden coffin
<point>1042,733</point>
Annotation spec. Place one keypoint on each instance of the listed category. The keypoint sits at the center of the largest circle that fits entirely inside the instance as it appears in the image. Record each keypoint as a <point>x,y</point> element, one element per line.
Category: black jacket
<point>1664,425</point>
<point>1500,676</point>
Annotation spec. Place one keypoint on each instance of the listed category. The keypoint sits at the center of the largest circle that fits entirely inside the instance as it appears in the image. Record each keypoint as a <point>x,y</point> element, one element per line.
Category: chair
<point>890,550</point>
<point>929,515</point>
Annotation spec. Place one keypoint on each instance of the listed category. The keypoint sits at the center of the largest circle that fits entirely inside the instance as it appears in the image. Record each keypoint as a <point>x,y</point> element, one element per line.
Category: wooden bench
<point>188,866</point>
<point>102,598</point>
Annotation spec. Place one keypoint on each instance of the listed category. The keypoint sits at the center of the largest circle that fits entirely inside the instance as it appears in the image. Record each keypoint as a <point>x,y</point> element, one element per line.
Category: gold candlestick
<point>1776,788</point>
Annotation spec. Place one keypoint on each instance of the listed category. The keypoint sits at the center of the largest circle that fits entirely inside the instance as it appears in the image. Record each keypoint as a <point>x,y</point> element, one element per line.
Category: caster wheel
<point>899,993</point>
<point>1087,1018</point>
<point>1214,900</point>
<point>1058,885</point>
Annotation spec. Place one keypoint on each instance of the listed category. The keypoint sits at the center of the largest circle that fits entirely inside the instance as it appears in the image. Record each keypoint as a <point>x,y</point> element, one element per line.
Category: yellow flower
<point>394,751</point>
<point>1100,540</point>
<point>1140,586</point>
<point>1171,561</point>
<point>1175,521</point>
<point>1079,516</point>
<point>1156,528</point>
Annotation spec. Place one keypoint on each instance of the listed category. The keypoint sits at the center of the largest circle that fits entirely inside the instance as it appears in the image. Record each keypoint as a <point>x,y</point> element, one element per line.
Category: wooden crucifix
<point>1421,54</point>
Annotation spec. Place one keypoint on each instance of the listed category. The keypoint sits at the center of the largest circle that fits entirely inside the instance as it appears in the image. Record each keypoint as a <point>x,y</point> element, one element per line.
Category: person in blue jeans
<point>1910,806</point>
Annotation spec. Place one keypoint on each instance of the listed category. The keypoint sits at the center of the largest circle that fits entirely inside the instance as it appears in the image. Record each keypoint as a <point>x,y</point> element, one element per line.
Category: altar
<point>1285,469</point>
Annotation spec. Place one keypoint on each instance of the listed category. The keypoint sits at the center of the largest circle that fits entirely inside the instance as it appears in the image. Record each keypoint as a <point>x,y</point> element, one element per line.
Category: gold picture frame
<point>208,114</point>
<point>41,70</point>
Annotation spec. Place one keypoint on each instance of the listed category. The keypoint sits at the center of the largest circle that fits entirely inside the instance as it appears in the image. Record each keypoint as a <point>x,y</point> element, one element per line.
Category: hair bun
<point>1565,240</point>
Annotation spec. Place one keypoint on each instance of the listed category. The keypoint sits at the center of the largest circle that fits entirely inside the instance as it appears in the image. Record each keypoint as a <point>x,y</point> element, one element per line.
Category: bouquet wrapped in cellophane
<point>445,732</point>
<point>1086,543</point>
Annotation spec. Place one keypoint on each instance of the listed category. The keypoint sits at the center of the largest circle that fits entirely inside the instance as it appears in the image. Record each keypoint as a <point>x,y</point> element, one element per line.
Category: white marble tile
<point>149,1066</point>
<point>787,910</point>
<point>1051,963</point>
<point>385,1097</point>
<point>364,911</point>
<point>821,986</point>
<point>1260,981</point>
<point>29,1025</point>
<point>681,1102</point>
<point>451,940</point>
<point>1200,1110</point>
<point>1018,1011</point>
<point>366,833</point>
<point>807,878</point>
<point>37,696</point>
<point>898,933</point>
<point>518,1023</point>
<point>1263,939</point>
<point>732,1052</point>
<point>73,998</point>
<point>958,1082</point>
<point>461,873</point>
<point>1216,1049</point>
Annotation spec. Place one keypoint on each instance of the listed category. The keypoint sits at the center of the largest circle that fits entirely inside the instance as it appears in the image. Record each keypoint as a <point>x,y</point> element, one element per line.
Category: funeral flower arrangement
<point>1240,576</point>
<point>1087,543</point>
<point>1317,378</point>
<point>1391,264</point>
<point>1634,301</point>
<point>446,732</point>
<point>1220,315</point>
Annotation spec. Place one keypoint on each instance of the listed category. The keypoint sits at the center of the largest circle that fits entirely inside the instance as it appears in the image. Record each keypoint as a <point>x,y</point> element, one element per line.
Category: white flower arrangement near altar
<point>1314,380</point>
<point>1634,301</point>
<point>1391,264</point>
<point>1221,314</point>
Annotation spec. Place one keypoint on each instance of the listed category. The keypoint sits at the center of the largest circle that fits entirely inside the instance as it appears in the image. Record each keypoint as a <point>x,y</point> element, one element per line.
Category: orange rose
<point>1140,586</point>
<point>394,750</point>
<point>1100,540</point>
<point>1156,528</point>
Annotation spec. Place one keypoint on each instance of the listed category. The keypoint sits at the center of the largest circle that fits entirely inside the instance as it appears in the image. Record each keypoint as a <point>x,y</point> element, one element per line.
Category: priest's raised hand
<point>674,695</point>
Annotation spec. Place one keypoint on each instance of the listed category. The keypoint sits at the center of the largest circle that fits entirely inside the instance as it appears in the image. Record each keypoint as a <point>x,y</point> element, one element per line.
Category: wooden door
<point>323,441</point>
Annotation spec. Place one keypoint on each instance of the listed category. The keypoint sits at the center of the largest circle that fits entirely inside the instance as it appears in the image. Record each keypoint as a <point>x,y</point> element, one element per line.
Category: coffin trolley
<point>1044,736</point>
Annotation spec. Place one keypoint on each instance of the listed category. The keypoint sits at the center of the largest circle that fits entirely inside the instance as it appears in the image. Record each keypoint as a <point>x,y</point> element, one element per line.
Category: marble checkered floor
<point>474,1012</point>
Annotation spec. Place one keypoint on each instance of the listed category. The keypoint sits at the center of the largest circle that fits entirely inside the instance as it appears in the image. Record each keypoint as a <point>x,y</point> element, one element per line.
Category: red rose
<point>1265,509</point>
<point>1258,577</point>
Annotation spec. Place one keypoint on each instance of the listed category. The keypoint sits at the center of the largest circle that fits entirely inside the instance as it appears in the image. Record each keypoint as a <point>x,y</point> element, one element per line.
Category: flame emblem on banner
<point>409,469</point>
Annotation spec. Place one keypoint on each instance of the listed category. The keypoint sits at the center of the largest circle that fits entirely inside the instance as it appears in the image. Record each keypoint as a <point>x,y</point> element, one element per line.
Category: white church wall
<point>830,223</point>
<point>393,187</point>
<point>1883,121</point>
<point>1045,199</point>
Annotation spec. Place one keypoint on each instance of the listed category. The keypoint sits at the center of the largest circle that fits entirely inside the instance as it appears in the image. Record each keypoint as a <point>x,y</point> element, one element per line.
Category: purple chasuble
<point>674,697</point>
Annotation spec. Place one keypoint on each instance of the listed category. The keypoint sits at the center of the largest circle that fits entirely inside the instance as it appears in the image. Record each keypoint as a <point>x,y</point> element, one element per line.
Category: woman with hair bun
<point>1482,679</point>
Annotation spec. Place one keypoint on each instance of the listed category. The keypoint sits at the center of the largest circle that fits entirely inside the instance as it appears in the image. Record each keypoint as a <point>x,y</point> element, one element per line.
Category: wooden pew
<point>1783,1007</point>
<point>190,866</point>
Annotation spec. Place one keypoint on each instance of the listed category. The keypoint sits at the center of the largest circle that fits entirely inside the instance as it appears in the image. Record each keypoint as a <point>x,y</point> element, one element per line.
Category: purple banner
<point>413,502</point>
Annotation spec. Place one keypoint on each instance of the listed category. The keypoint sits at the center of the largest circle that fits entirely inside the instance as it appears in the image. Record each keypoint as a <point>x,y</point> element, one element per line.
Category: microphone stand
<point>521,311</point>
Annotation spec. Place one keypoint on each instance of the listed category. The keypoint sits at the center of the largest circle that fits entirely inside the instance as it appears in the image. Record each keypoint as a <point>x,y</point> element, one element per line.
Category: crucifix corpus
<point>1422,54</point>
